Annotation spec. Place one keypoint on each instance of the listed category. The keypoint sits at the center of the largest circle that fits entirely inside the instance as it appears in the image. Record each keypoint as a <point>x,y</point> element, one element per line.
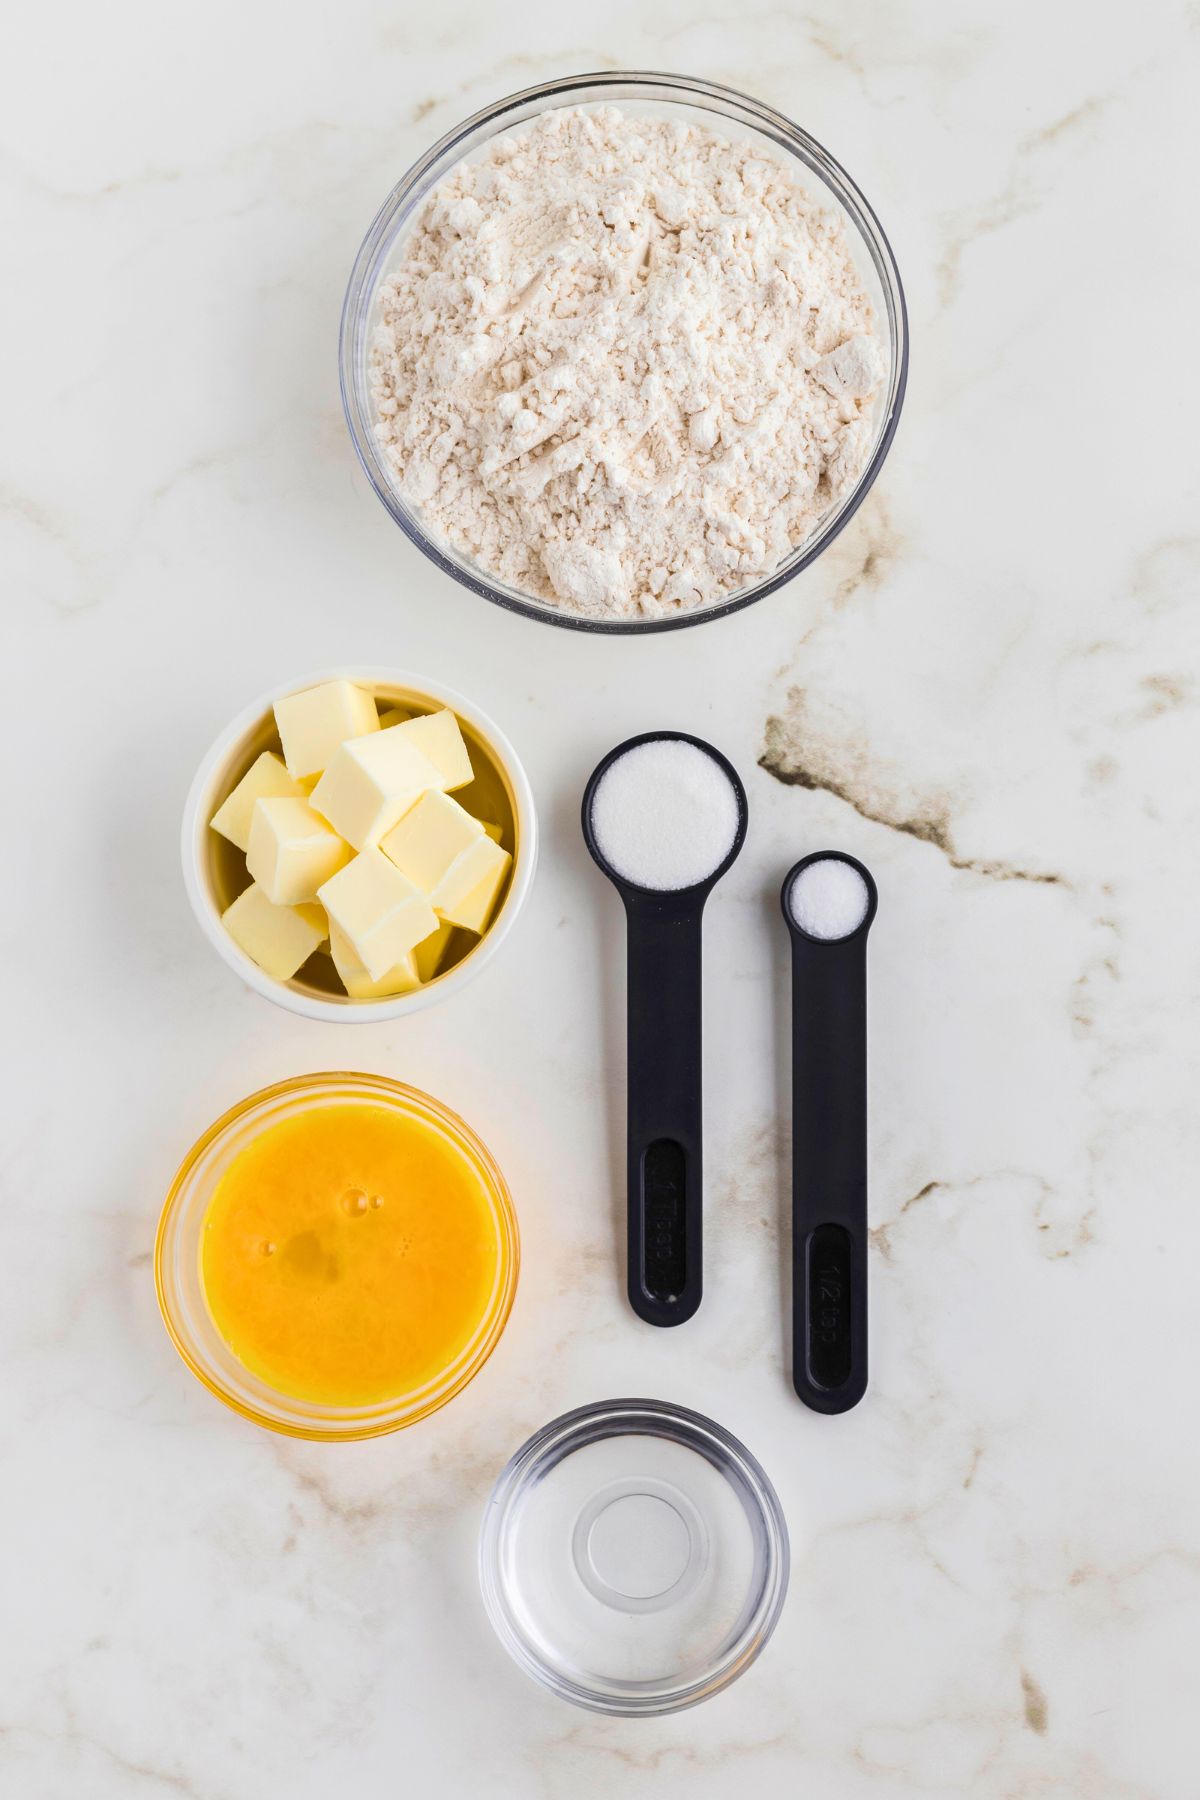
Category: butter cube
<point>430,838</point>
<point>378,909</point>
<point>394,715</point>
<point>474,910</point>
<point>371,782</point>
<point>439,736</point>
<point>313,723</point>
<point>430,952</point>
<point>402,979</point>
<point>467,890</point>
<point>292,851</point>
<point>494,831</point>
<point>265,779</point>
<point>277,938</point>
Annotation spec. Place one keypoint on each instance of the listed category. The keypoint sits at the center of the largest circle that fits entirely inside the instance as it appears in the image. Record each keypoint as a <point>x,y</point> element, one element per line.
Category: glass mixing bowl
<point>670,96</point>
<point>179,1281</point>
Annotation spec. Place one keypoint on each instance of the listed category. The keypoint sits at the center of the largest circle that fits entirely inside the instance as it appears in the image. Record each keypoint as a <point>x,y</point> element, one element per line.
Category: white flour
<point>625,365</point>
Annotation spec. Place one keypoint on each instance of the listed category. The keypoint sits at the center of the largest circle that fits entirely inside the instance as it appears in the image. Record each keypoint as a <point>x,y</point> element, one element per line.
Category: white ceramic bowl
<point>210,864</point>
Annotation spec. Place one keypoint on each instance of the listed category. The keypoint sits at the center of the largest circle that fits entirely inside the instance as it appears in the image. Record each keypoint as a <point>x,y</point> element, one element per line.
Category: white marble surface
<point>987,690</point>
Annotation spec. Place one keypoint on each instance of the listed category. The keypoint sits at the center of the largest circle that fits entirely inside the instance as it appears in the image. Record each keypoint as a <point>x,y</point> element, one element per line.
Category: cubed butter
<point>292,851</point>
<point>467,891</point>
<point>379,910</point>
<point>439,736</point>
<point>495,832</point>
<point>394,715</point>
<point>278,938</point>
<point>474,910</point>
<point>265,779</point>
<point>402,979</point>
<point>371,782</point>
<point>313,723</point>
<point>430,838</point>
<point>430,953</point>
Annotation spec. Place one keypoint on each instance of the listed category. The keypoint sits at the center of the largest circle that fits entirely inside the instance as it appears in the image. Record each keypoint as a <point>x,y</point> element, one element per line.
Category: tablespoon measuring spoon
<point>664,817</point>
<point>829,903</point>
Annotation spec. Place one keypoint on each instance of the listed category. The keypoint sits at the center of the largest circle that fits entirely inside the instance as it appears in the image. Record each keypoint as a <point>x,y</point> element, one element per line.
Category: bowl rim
<point>574,1429</point>
<point>354,327</point>
<point>194,838</point>
<point>507,1223</point>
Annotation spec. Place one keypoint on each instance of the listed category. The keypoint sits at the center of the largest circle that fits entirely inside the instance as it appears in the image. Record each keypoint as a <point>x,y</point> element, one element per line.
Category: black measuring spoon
<point>664,1006</point>
<point>829,914</point>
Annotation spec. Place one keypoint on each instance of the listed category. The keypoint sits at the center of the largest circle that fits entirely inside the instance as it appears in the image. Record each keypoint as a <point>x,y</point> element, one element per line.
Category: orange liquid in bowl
<point>350,1253</point>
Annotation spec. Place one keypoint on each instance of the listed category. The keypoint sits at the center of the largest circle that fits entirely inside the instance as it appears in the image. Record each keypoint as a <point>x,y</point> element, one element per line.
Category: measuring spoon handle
<point>829,1174</point>
<point>665,1107</point>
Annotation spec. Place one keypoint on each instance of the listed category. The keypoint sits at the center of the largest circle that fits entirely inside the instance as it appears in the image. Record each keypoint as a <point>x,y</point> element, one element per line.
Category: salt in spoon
<point>664,817</point>
<point>829,902</point>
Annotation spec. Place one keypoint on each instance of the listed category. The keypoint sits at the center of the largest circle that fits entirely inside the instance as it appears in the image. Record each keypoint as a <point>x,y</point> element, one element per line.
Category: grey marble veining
<point>987,689</point>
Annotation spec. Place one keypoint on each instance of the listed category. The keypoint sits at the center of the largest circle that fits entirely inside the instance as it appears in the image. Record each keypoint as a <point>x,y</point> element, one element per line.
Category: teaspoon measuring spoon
<point>664,817</point>
<point>829,902</point>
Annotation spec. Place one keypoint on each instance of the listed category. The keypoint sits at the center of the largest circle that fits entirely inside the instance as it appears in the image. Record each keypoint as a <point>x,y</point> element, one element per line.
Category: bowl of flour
<point>624,352</point>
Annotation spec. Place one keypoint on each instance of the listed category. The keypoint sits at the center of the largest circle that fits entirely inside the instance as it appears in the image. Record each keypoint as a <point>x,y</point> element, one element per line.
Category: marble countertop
<point>987,690</point>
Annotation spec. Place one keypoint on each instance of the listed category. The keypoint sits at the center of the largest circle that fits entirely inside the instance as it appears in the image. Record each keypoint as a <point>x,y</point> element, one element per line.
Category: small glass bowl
<point>633,1558</point>
<point>670,96</point>
<point>177,1268</point>
<point>214,870</point>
